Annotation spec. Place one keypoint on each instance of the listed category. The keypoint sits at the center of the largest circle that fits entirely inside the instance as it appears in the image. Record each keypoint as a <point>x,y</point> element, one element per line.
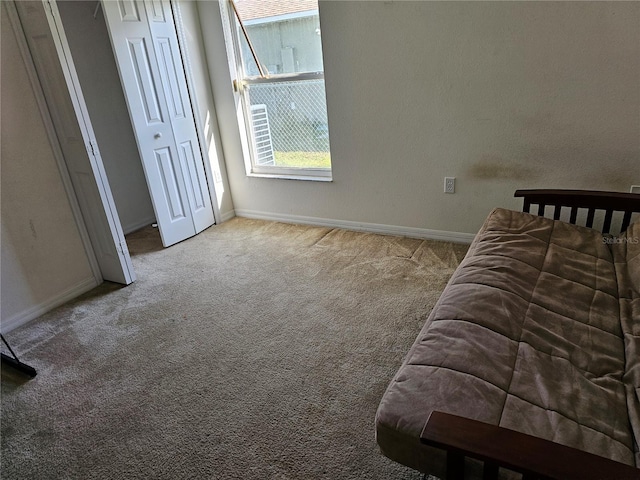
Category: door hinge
<point>93,149</point>
<point>122,248</point>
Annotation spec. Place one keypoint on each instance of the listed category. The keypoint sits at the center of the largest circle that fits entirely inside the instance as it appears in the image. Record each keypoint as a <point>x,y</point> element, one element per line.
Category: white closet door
<point>56,72</point>
<point>144,41</point>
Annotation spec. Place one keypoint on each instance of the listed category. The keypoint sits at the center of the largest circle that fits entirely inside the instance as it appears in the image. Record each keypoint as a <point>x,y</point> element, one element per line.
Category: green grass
<point>303,159</point>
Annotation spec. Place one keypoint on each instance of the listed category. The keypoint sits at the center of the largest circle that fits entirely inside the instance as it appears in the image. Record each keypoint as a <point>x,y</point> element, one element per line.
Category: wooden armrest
<point>531,456</point>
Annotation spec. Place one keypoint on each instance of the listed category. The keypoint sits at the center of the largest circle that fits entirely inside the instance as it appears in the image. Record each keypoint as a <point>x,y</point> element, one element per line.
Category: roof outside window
<point>255,9</point>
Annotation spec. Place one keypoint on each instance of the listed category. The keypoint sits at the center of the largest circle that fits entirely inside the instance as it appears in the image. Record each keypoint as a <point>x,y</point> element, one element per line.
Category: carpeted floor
<point>255,350</point>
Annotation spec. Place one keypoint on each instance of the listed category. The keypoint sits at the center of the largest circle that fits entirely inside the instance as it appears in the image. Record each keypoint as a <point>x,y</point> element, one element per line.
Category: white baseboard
<point>127,229</point>
<point>423,233</point>
<point>227,216</point>
<point>40,309</point>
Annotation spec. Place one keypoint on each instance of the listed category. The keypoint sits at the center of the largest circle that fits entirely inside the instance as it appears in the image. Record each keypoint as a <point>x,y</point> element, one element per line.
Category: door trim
<point>107,203</point>
<point>16,25</point>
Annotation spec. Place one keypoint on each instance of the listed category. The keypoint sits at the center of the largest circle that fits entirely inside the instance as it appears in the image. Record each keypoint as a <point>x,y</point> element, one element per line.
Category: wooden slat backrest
<point>609,202</point>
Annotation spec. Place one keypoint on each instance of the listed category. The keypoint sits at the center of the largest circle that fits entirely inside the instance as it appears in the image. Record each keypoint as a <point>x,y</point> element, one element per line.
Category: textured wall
<point>501,95</point>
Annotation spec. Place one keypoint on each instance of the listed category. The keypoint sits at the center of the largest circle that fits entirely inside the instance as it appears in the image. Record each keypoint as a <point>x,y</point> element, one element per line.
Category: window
<point>277,52</point>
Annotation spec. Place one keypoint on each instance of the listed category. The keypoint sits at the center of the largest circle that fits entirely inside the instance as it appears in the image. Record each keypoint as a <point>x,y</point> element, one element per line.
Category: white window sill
<point>283,176</point>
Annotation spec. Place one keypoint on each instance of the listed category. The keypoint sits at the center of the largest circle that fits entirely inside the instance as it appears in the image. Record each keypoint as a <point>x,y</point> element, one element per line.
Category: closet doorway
<point>73,139</point>
<point>170,185</point>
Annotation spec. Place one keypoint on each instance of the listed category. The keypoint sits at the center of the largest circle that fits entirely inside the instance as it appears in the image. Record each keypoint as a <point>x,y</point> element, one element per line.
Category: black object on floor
<point>15,362</point>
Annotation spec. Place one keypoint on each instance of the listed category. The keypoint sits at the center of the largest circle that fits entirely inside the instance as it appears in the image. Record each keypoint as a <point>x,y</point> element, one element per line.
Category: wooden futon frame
<point>499,447</point>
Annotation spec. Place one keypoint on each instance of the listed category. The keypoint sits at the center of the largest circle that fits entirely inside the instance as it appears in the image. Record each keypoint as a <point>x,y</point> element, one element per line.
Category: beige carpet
<point>255,350</point>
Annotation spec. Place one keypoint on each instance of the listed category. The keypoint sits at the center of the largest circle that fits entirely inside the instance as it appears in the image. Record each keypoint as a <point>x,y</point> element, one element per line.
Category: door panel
<point>156,13</point>
<point>47,63</point>
<point>195,193</point>
<point>84,184</point>
<point>170,187</point>
<point>146,86</point>
<point>174,93</point>
<point>163,32</point>
<point>155,88</point>
<point>128,11</point>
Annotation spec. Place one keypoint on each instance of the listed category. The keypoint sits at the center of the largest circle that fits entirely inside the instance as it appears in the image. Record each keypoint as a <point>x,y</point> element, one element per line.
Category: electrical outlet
<point>635,189</point>
<point>449,184</point>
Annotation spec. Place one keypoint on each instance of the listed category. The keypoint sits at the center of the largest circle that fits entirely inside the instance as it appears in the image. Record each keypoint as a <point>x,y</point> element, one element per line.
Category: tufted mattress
<point>538,331</point>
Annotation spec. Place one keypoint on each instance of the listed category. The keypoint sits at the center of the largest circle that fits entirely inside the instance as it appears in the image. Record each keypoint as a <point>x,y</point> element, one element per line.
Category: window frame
<point>240,82</point>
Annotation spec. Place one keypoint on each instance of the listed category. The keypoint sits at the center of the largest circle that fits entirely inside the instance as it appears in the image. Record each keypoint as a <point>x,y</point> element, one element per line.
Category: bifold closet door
<point>145,45</point>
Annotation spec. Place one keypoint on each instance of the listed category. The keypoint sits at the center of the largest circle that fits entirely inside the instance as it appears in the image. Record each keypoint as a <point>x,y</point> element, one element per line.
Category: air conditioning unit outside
<point>262,135</point>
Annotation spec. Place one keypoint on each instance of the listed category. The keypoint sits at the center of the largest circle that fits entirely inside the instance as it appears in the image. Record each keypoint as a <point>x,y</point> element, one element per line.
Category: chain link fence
<point>290,116</point>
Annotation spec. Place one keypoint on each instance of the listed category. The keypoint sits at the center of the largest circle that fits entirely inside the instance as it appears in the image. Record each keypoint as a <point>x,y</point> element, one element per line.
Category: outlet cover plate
<point>449,184</point>
<point>635,189</point>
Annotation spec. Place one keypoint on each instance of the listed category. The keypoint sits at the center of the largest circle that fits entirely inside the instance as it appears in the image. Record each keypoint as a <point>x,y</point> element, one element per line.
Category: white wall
<point>43,258</point>
<point>501,95</point>
<point>91,50</point>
